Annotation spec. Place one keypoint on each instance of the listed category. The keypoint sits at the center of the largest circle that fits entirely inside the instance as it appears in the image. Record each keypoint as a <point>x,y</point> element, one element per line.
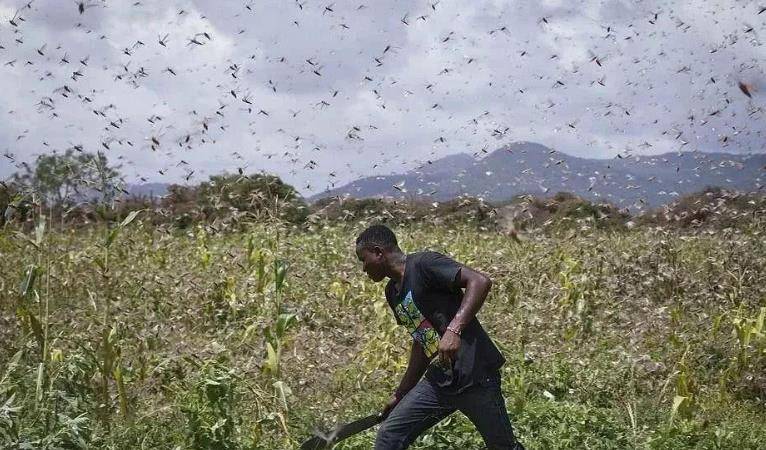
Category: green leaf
<point>121,392</point>
<point>284,391</point>
<point>272,359</point>
<point>116,230</point>
<point>284,321</point>
<point>29,280</point>
<point>11,366</point>
<point>280,272</point>
<point>678,402</point>
<point>130,218</point>
<point>37,330</point>
<point>100,263</point>
<point>40,231</point>
<point>112,236</point>
<point>758,327</point>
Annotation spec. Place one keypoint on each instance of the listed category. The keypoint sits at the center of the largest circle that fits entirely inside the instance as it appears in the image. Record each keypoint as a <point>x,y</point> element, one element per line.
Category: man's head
<point>375,247</point>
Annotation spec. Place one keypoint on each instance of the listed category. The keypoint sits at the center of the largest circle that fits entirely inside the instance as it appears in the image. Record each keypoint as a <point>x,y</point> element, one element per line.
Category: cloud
<point>322,93</point>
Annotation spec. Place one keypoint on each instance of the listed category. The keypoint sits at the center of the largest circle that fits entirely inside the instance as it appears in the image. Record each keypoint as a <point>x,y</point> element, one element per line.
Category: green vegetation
<point>83,188</point>
<point>232,315</point>
<point>227,197</point>
<point>58,178</point>
<point>132,335</point>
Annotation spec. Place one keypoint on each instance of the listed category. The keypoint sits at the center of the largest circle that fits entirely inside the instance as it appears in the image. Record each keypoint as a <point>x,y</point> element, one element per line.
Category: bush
<point>714,207</point>
<point>256,196</point>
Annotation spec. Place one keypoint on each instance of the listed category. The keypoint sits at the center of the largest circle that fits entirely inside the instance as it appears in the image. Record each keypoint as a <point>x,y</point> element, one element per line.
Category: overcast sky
<point>324,92</point>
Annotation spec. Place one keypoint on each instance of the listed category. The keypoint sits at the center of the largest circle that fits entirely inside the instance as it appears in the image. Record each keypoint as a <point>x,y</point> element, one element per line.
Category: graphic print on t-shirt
<point>420,328</point>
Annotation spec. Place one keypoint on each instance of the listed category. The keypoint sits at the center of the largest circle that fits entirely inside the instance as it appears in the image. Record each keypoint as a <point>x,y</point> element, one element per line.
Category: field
<point>137,338</point>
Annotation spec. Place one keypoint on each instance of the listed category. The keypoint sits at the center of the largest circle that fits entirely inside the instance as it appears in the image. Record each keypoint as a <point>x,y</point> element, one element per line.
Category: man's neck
<point>396,270</point>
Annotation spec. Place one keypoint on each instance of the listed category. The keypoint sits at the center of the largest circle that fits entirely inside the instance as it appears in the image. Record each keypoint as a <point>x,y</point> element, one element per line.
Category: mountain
<point>530,168</point>
<point>148,189</point>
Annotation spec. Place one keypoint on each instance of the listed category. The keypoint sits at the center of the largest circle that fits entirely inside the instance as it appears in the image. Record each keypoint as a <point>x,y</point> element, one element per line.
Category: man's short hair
<point>377,235</point>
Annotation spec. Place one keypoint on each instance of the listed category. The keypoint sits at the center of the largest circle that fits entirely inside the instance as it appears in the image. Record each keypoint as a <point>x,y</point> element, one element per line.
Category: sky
<point>322,93</point>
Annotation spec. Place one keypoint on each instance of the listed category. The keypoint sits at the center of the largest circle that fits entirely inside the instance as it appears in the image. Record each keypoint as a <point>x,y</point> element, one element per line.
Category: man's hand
<point>449,344</point>
<point>392,402</point>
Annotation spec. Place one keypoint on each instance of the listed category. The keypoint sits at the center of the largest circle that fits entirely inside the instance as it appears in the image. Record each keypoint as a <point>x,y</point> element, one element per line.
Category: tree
<point>181,204</point>
<point>61,178</point>
<point>260,194</point>
<point>99,176</point>
<point>14,203</point>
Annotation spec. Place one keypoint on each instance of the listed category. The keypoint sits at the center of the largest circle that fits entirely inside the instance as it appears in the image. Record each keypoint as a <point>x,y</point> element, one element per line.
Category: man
<point>425,293</point>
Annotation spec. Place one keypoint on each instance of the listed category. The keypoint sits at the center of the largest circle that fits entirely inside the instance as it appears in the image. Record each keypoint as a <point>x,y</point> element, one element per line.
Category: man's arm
<point>476,287</point>
<point>416,367</point>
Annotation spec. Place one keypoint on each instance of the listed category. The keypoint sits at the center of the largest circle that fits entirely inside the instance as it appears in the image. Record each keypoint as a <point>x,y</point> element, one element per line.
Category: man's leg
<point>418,411</point>
<point>484,406</point>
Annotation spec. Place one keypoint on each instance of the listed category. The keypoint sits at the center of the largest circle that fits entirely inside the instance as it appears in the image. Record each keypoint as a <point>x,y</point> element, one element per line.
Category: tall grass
<point>133,336</point>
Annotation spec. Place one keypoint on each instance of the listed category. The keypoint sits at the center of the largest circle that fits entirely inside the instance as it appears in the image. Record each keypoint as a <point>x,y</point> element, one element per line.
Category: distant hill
<point>148,189</point>
<point>529,168</point>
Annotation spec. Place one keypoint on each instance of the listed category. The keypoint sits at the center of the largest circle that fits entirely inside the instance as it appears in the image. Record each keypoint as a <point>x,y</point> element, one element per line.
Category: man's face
<point>372,262</point>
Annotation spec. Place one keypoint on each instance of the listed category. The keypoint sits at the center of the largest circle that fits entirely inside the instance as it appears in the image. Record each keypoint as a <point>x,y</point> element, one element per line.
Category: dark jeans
<point>425,405</point>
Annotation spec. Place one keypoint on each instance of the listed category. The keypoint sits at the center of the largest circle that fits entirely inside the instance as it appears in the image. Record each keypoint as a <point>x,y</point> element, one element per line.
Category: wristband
<point>453,330</point>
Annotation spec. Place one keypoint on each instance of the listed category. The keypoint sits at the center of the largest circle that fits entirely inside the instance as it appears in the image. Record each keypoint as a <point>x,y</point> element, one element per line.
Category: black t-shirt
<point>427,303</point>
